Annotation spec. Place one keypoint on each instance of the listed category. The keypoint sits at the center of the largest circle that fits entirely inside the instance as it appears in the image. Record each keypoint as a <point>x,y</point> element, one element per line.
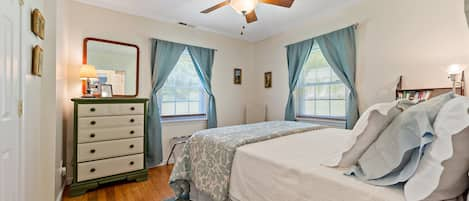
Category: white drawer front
<point>110,121</point>
<point>91,110</point>
<point>102,134</point>
<point>108,149</point>
<point>108,167</point>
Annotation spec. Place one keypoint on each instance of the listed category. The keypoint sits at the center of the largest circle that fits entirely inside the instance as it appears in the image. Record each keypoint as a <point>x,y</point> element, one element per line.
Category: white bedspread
<point>288,169</point>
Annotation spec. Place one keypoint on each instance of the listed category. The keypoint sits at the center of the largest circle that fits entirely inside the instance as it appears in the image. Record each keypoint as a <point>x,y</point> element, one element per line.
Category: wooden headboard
<point>427,93</point>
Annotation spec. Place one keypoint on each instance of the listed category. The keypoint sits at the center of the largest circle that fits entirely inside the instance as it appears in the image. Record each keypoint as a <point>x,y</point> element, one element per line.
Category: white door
<point>9,99</point>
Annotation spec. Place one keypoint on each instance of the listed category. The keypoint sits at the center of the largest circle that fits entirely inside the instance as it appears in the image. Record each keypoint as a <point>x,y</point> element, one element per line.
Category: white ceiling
<point>272,19</point>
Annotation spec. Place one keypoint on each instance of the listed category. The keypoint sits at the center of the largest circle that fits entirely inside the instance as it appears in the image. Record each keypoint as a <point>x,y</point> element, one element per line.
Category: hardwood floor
<point>156,188</point>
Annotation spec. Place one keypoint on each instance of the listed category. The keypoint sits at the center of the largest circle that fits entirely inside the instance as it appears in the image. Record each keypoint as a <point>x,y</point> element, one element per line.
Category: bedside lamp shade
<point>455,69</point>
<point>87,71</point>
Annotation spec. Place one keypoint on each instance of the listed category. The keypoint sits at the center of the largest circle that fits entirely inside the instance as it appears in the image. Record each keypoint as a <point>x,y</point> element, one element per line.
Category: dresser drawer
<point>108,149</point>
<point>103,134</point>
<point>108,167</point>
<point>91,110</point>
<point>110,121</point>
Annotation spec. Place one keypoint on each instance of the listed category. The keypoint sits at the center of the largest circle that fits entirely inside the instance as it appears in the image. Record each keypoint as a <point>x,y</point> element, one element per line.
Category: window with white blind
<point>182,94</point>
<point>320,93</point>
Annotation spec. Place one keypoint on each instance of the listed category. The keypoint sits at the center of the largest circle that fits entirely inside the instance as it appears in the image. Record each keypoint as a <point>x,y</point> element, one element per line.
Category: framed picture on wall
<point>237,76</point>
<point>38,23</point>
<point>38,59</point>
<point>268,80</point>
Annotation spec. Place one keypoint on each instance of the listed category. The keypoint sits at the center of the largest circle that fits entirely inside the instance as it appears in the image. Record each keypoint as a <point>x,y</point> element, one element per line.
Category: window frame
<point>300,98</point>
<point>195,116</point>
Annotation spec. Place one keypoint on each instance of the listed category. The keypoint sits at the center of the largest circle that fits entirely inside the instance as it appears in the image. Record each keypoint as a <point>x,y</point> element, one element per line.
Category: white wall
<point>416,39</point>
<point>39,136</point>
<point>61,91</point>
<point>31,94</point>
<point>88,21</point>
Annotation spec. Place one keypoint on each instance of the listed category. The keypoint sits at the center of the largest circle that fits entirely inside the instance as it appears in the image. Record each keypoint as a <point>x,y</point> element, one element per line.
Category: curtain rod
<point>216,50</point>
<point>355,26</point>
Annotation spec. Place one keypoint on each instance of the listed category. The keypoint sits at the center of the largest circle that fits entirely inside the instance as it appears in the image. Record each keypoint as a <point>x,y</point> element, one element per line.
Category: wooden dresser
<point>109,142</point>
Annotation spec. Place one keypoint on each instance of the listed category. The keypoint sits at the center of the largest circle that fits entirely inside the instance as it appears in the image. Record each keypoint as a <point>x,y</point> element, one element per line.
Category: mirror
<point>116,64</point>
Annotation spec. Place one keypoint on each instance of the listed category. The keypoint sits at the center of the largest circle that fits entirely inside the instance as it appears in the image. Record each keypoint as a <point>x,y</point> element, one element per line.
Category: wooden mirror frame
<point>85,59</point>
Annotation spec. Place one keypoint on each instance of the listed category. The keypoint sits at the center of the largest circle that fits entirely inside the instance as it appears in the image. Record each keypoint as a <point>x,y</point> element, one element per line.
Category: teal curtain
<point>340,52</point>
<point>297,55</point>
<point>165,56</point>
<point>203,62</point>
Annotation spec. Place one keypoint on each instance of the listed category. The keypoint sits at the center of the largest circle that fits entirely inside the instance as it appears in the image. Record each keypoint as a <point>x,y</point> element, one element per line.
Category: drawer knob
<point>92,135</point>
<point>92,151</point>
<point>132,120</point>
<point>132,108</point>
<point>131,163</point>
<point>92,109</point>
<point>93,122</point>
<point>131,146</point>
<point>132,132</point>
<point>92,170</point>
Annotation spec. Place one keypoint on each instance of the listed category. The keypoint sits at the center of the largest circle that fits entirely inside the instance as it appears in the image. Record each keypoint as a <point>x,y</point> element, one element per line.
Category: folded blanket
<point>208,156</point>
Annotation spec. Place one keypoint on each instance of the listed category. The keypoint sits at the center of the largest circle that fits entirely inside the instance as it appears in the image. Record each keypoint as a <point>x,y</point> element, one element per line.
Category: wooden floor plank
<point>156,188</point>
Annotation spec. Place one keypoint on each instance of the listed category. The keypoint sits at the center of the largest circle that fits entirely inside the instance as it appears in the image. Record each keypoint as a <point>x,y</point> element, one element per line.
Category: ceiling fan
<point>247,7</point>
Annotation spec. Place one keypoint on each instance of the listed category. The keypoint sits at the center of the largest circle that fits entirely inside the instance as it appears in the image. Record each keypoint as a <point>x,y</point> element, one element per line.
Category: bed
<point>295,160</point>
<point>286,161</point>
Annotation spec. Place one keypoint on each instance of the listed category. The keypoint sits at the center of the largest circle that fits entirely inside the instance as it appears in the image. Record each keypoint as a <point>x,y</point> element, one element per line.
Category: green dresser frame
<point>80,188</point>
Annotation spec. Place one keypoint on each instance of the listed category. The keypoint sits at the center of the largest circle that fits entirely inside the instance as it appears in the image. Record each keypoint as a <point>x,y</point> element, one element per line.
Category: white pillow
<point>367,129</point>
<point>442,173</point>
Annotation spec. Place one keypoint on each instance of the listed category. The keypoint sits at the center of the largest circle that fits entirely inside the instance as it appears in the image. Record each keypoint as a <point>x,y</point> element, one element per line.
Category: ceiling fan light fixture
<point>244,6</point>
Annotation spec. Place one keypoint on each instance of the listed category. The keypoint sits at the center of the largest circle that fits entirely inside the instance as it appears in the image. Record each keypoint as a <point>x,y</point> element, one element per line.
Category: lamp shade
<point>241,6</point>
<point>455,69</point>
<point>87,71</point>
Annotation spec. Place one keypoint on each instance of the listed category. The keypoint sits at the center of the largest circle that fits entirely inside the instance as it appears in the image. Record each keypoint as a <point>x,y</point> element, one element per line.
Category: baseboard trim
<point>61,192</point>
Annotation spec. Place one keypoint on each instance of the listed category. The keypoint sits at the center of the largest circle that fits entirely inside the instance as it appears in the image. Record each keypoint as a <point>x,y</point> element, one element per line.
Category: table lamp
<point>453,71</point>
<point>86,73</point>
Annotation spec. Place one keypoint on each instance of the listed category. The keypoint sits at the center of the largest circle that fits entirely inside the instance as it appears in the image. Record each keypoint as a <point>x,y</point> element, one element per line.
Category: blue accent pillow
<point>395,155</point>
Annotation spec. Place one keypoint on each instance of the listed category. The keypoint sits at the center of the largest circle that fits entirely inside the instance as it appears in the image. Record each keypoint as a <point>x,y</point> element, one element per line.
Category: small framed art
<point>237,76</point>
<point>38,59</point>
<point>268,80</point>
<point>38,23</point>
<point>106,91</point>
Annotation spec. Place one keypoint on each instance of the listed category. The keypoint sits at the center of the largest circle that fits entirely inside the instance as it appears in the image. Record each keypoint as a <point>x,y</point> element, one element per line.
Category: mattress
<point>289,169</point>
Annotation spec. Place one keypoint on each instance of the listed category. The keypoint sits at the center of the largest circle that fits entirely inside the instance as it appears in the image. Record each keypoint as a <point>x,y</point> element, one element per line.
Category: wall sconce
<point>453,71</point>
<point>86,73</point>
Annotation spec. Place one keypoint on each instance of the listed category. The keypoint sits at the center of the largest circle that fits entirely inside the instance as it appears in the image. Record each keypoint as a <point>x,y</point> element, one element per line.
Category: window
<point>182,93</point>
<point>320,93</point>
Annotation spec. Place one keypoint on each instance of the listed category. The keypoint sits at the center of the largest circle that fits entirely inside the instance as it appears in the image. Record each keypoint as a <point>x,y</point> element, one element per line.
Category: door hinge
<point>21,2</point>
<point>20,108</point>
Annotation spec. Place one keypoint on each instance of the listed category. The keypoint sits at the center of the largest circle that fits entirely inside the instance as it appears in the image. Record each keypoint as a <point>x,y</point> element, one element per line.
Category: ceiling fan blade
<point>251,17</point>
<point>283,3</point>
<point>216,7</point>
